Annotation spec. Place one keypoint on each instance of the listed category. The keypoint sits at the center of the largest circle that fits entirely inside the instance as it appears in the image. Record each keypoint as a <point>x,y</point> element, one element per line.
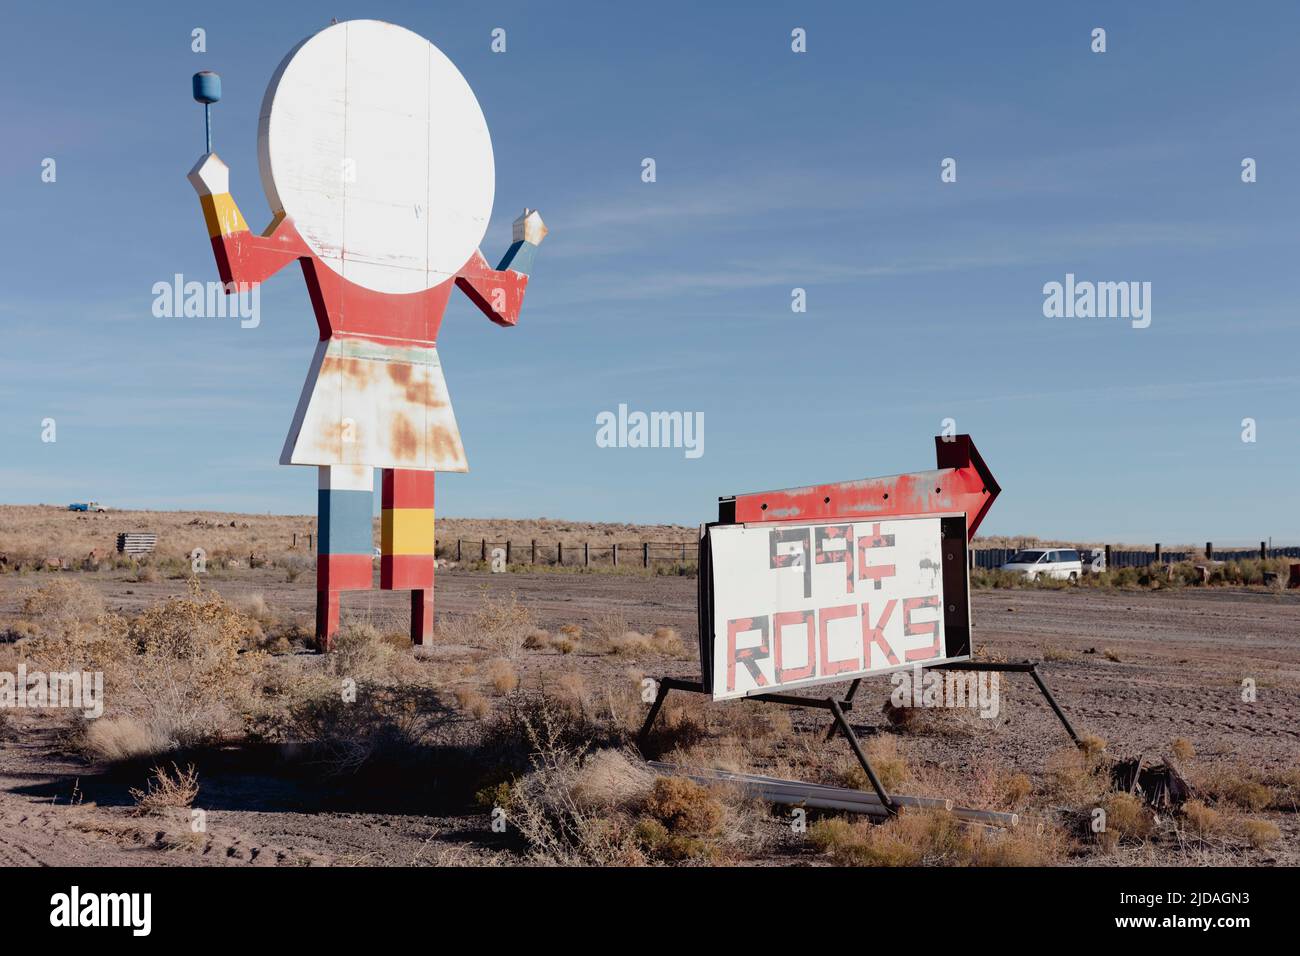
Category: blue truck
<point>86,506</point>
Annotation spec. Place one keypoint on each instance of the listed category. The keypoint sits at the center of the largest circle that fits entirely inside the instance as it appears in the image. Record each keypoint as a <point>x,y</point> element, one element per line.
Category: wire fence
<point>648,554</point>
<point>644,554</point>
<point>989,558</point>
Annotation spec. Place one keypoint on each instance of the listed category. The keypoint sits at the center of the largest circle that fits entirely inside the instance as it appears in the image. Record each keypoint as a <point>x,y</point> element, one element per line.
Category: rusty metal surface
<point>369,403</point>
<point>962,484</point>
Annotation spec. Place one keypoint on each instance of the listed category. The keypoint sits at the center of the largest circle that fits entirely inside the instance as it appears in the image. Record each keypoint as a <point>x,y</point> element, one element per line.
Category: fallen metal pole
<point>824,797</point>
<point>799,786</point>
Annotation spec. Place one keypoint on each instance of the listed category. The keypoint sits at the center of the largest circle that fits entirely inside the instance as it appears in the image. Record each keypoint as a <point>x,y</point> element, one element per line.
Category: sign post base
<point>840,707</point>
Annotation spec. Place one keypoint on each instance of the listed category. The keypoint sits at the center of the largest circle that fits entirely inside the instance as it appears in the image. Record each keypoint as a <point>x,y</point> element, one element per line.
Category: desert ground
<point>509,740</point>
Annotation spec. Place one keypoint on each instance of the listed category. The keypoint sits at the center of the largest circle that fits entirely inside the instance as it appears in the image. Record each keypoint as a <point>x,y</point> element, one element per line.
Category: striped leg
<point>406,544</point>
<point>345,541</point>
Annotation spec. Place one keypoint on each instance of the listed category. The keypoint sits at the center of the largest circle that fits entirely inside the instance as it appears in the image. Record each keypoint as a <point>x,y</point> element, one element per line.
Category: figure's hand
<point>210,176</point>
<point>529,227</point>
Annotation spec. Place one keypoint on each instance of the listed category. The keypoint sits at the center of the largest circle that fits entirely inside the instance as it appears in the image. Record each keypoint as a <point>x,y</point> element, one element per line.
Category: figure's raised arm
<point>499,292</point>
<point>242,257</point>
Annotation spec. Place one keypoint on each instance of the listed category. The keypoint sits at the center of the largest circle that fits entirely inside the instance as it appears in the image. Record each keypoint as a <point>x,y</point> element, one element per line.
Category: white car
<point>1061,563</point>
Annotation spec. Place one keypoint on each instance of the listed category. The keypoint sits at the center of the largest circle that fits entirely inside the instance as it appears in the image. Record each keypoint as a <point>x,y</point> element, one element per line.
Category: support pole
<point>862,757</point>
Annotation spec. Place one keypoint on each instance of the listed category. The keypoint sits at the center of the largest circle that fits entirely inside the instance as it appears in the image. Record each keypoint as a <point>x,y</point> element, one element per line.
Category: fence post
<point>484,555</point>
<point>1157,552</point>
<point>559,553</point>
<point>1209,551</point>
<point>309,544</point>
<point>614,553</point>
<point>295,539</point>
<point>1263,552</point>
<point>1107,557</point>
<point>507,551</point>
<point>586,554</point>
<point>534,550</point>
<point>645,554</point>
<point>683,552</point>
<point>458,550</point>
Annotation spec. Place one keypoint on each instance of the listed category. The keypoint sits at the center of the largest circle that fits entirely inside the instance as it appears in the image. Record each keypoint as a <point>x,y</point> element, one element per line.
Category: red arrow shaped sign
<point>961,483</point>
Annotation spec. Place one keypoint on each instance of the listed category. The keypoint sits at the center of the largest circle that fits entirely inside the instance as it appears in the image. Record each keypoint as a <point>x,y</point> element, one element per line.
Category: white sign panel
<point>800,604</point>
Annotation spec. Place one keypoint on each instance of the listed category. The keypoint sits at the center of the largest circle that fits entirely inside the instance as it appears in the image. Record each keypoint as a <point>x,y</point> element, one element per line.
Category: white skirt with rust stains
<point>366,403</point>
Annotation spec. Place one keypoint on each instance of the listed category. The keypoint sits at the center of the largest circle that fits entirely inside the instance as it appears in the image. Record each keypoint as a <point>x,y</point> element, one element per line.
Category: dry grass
<point>1127,820</point>
<point>166,791</point>
<point>1260,833</point>
<point>472,703</point>
<point>1182,749</point>
<point>124,738</point>
<point>503,677</point>
<point>1201,819</point>
<point>360,653</point>
<point>890,765</point>
<point>918,837</point>
<point>1235,787</point>
<point>503,625</point>
<point>664,642</point>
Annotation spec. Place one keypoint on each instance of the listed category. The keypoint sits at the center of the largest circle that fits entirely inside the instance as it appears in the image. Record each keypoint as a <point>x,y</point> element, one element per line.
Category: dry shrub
<point>563,644</point>
<point>1017,789</point>
<point>1110,655</point>
<point>64,609</point>
<point>166,791</point>
<point>1076,777</point>
<point>389,724</point>
<point>684,806</point>
<point>1202,820</point>
<point>572,631</point>
<point>679,727</point>
<point>1127,820</point>
<point>1092,747</point>
<point>611,778</point>
<point>1260,833</point>
<point>188,675</point>
<point>660,843</point>
<point>503,625</point>
<point>664,641</point>
<point>668,642</point>
<point>1025,845</point>
<point>537,640</point>
<point>557,828</point>
<point>472,702</point>
<point>1053,652</point>
<point>569,690</point>
<point>254,606</point>
<point>1182,748</point>
<point>630,644</point>
<point>608,626</point>
<point>360,652</point>
<point>503,677</point>
<point>124,738</point>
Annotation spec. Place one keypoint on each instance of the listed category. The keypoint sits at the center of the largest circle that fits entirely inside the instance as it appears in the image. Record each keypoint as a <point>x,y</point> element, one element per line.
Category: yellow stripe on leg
<point>406,531</point>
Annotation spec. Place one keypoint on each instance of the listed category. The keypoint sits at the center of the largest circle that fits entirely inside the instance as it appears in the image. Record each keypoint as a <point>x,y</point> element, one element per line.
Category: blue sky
<point>775,170</point>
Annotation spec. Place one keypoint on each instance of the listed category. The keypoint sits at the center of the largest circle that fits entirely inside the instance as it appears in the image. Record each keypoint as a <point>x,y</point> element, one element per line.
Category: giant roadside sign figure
<point>376,160</point>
